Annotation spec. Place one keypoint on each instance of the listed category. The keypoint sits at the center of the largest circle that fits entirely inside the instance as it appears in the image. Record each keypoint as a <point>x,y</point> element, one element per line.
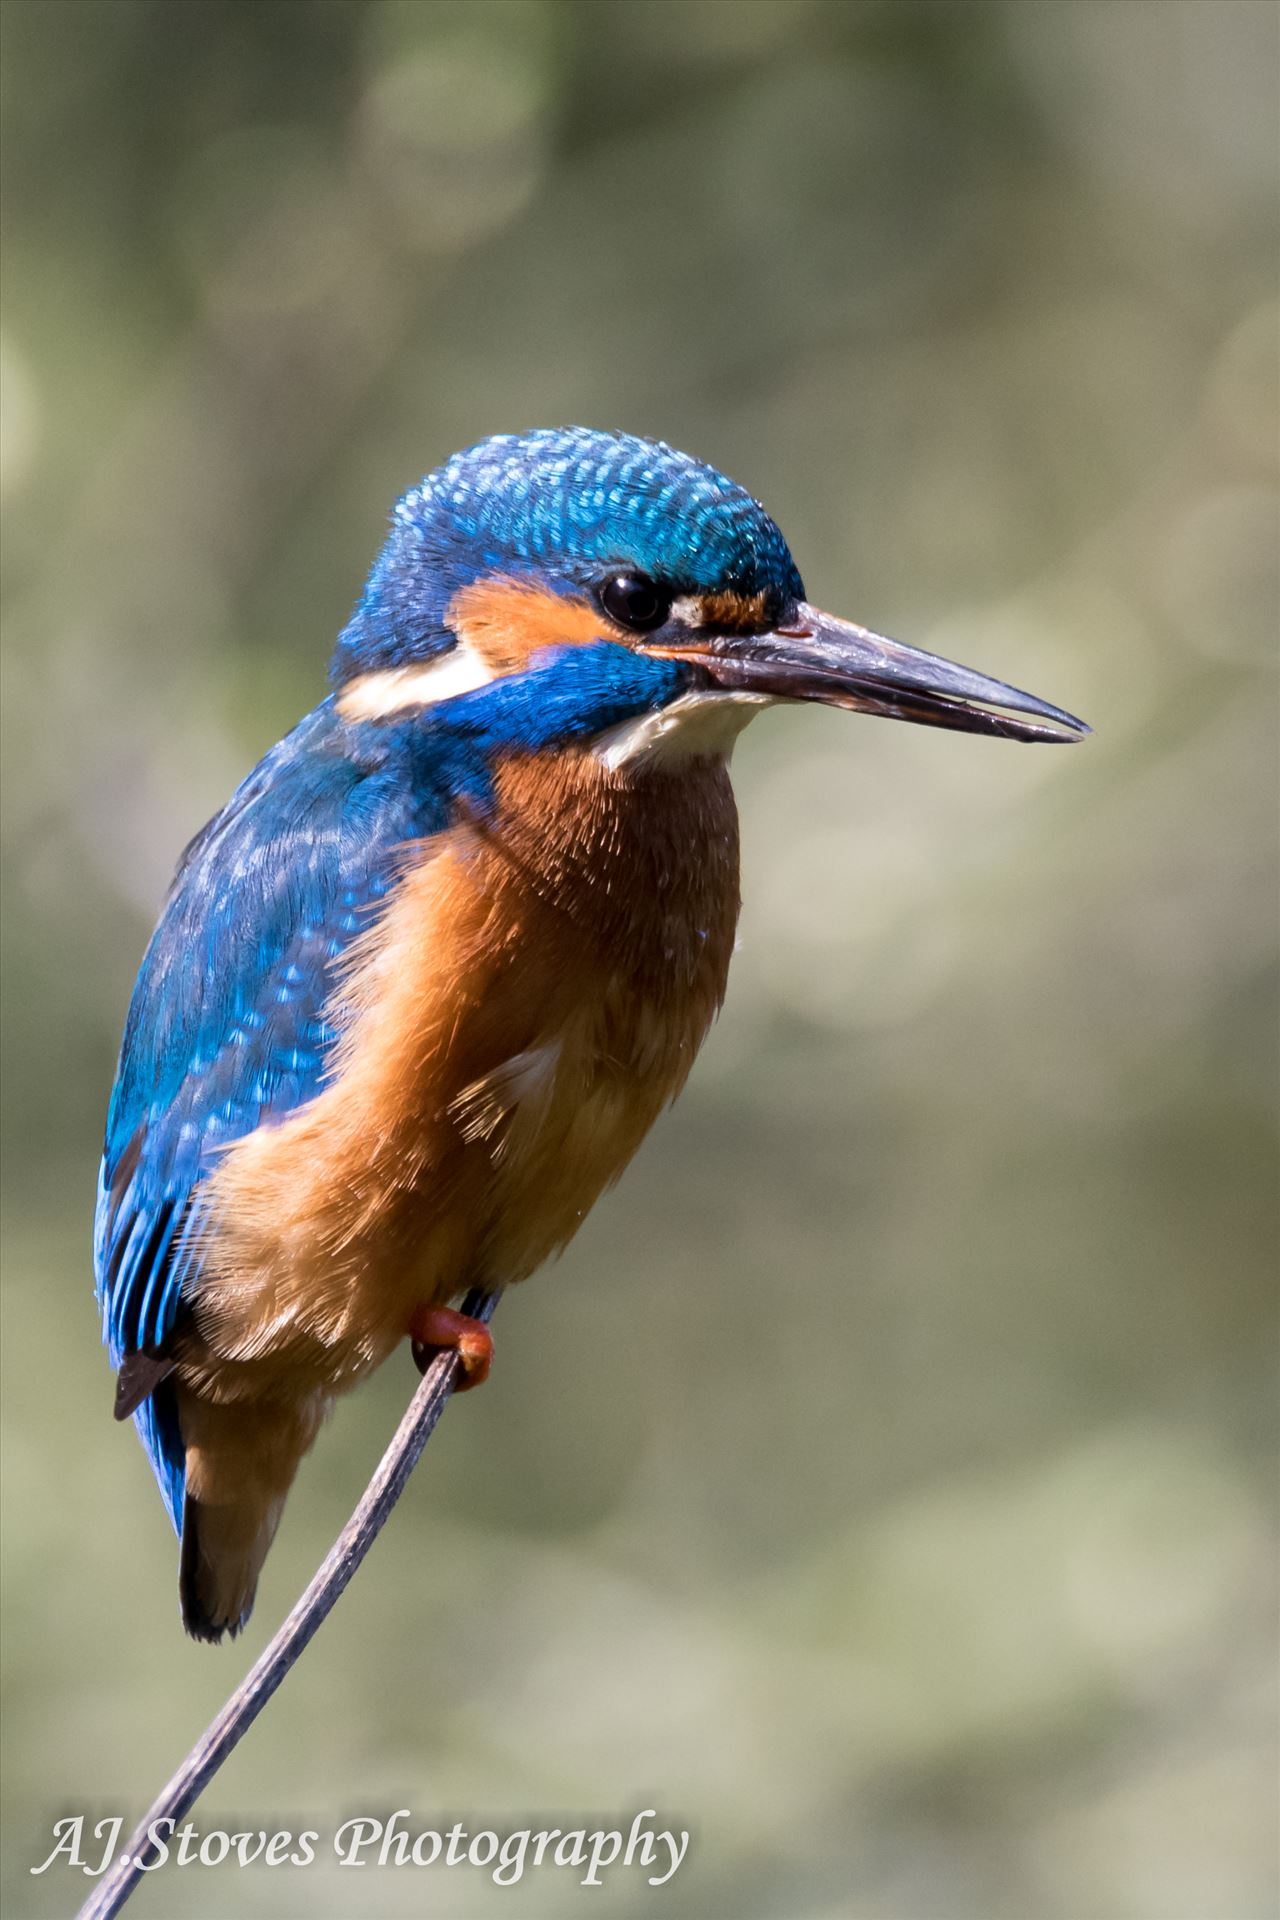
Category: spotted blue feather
<point>565,504</point>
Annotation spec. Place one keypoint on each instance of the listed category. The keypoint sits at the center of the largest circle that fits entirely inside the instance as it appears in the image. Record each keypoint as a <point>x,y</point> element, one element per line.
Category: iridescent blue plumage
<point>226,1028</point>
<point>562,505</point>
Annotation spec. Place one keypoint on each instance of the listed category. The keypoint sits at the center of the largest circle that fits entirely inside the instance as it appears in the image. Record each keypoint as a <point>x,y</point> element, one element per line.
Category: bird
<point>421,988</point>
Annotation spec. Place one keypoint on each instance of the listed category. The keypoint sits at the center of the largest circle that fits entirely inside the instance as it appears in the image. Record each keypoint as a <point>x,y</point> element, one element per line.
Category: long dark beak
<point>817,657</point>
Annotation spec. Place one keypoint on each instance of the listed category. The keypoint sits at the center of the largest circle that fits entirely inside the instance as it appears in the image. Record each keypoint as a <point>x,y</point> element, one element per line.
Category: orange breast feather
<point>530,1001</point>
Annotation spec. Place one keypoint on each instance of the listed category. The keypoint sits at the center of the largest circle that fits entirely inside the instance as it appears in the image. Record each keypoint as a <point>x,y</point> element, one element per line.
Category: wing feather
<point>231,1022</point>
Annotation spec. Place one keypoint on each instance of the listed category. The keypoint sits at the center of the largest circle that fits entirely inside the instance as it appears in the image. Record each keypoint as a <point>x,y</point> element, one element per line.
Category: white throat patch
<point>695,725</point>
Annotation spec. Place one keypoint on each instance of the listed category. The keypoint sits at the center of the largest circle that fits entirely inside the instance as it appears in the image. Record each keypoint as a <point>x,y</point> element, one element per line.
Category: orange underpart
<point>441,1329</point>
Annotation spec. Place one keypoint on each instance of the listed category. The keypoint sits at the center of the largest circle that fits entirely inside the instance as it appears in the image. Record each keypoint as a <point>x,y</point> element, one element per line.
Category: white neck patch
<point>375,695</point>
<point>694,726</point>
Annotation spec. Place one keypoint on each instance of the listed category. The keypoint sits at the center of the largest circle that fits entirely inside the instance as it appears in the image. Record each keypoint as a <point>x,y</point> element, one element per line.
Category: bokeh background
<point>884,1484</point>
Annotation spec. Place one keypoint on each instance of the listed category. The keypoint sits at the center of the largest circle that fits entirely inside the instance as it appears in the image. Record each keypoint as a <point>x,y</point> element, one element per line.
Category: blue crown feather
<point>566,504</point>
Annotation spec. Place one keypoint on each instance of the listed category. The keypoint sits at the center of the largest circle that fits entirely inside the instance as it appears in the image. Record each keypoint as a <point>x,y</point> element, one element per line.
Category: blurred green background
<point>884,1484</point>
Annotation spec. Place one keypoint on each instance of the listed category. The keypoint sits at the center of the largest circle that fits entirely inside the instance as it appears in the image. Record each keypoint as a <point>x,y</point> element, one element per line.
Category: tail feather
<point>240,1464</point>
<point>223,1549</point>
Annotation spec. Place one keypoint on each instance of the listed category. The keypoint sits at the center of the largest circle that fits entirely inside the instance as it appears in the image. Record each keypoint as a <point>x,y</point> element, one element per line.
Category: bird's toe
<point>434,1330</point>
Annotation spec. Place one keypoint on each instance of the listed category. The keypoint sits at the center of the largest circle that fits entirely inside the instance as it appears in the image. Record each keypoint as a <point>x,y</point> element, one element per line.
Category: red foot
<point>433,1329</point>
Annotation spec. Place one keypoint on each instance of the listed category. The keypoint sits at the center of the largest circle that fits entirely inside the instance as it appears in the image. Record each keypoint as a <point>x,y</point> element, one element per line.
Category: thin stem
<point>293,1637</point>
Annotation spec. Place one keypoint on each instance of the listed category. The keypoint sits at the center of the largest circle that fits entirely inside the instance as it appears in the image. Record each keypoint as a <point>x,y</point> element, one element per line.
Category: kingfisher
<point>422,987</point>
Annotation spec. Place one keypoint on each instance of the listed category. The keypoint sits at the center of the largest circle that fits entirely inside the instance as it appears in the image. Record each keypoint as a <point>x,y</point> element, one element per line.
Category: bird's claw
<point>433,1330</point>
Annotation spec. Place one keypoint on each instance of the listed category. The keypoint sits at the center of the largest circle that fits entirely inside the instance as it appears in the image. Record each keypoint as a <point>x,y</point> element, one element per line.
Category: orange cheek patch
<point>506,622</point>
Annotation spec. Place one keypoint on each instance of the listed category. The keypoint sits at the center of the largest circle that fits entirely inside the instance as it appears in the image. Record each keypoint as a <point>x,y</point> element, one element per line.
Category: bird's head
<point>608,588</point>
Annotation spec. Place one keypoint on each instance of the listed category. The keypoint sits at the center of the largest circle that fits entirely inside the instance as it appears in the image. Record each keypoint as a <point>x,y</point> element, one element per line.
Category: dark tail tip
<point>206,1614</point>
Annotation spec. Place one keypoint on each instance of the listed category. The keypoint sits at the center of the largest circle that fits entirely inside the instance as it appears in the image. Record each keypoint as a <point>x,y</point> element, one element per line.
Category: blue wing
<point>227,1026</point>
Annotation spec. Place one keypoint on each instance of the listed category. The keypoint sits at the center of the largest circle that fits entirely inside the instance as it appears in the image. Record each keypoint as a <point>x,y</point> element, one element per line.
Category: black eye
<point>635,601</point>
